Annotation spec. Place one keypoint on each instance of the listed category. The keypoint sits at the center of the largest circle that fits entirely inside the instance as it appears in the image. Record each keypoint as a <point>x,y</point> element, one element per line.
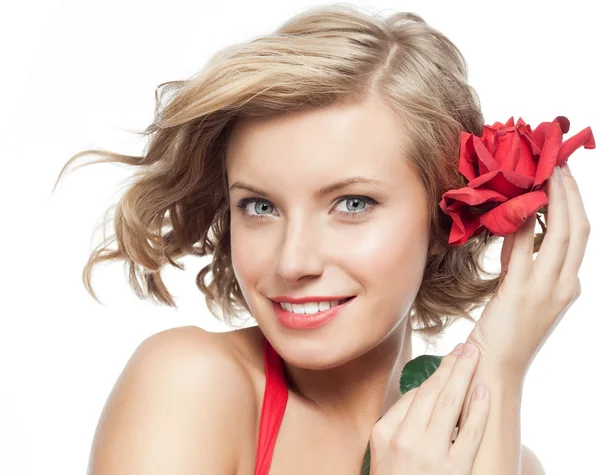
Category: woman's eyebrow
<point>325,190</point>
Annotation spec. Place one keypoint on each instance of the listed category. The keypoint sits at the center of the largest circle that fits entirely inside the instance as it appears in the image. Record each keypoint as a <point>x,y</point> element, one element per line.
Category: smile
<point>310,308</point>
<point>298,319</point>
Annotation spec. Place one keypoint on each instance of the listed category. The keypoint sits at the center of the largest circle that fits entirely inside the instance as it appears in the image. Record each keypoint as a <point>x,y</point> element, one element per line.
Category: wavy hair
<point>177,203</point>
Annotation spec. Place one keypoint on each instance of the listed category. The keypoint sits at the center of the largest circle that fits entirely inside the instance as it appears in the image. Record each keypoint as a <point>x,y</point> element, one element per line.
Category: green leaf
<point>365,469</point>
<point>417,370</point>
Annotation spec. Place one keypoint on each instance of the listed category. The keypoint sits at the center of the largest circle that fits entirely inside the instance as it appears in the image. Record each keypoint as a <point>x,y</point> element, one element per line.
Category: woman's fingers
<point>551,257</point>
<point>387,426</point>
<point>521,253</point>
<point>419,414</point>
<point>579,226</point>
<point>415,434</point>
<point>507,245</point>
<point>452,396</point>
<point>468,440</point>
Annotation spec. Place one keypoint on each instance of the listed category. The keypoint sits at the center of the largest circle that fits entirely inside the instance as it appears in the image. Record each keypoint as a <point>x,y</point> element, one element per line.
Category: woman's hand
<point>415,436</point>
<point>534,295</point>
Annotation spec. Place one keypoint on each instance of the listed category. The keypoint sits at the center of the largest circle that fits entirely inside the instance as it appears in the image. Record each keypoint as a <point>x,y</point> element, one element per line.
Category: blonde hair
<point>177,203</point>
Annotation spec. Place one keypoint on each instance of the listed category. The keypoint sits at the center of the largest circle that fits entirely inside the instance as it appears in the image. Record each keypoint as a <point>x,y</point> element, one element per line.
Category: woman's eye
<point>351,206</point>
<point>254,207</point>
<point>356,205</point>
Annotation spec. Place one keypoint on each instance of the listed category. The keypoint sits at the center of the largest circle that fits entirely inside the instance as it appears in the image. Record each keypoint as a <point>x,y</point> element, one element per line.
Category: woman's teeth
<point>311,307</point>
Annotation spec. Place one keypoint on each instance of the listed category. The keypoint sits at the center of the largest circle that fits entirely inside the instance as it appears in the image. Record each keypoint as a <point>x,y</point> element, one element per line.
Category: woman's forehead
<point>356,139</point>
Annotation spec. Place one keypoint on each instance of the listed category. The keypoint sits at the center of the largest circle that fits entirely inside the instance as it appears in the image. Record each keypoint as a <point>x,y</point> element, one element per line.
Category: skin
<point>348,370</point>
<point>287,239</point>
<point>343,376</point>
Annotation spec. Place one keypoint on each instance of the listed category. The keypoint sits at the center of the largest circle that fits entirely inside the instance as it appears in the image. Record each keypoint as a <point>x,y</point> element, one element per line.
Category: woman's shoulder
<point>228,362</point>
<point>195,349</point>
<point>240,348</point>
<point>183,396</point>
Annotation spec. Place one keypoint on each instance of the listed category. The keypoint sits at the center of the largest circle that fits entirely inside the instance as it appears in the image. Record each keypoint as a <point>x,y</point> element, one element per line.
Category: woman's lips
<point>301,321</point>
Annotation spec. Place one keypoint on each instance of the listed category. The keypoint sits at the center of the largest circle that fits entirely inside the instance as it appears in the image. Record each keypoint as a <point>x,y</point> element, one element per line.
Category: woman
<point>310,164</point>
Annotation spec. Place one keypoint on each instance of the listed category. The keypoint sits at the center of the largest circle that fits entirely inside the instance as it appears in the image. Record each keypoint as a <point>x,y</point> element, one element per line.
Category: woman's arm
<point>532,299</point>
<point>501,451</point>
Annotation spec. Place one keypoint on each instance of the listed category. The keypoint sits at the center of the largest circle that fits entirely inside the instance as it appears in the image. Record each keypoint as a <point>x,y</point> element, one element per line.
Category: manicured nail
<point>566,170</point>
<point>457,349</point>
<point>557,174</point>
<point>480,391</point>
<point>468,349</point>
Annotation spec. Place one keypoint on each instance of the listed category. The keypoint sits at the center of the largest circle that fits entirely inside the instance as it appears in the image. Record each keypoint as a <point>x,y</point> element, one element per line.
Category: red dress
<point>274,402</point>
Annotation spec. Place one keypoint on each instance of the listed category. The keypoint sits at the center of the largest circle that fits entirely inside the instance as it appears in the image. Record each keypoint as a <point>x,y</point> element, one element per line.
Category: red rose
<point>507,167</point>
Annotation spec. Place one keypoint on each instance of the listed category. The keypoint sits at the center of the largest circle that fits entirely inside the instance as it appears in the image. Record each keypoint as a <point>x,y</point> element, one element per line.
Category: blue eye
<point>260,207</point>
<point>358,206</point>
<point>354,204</point>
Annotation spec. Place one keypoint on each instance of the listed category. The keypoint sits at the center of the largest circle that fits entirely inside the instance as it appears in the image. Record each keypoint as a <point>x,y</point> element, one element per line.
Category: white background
<point>80,75</point>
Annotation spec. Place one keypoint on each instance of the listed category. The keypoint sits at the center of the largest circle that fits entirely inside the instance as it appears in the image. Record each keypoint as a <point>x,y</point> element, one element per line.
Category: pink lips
<point>298,321</point>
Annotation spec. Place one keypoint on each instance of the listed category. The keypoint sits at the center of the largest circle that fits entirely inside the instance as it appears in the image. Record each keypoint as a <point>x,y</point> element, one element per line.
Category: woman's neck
<point>355,395</point>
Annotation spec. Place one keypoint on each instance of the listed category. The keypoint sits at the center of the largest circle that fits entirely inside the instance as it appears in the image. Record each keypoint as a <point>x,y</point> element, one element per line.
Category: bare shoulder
<point>530,463</point>
<point>181,405</point>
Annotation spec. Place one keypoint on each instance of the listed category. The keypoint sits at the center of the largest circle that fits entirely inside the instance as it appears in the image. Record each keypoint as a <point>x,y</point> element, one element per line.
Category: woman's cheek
<point>383,239</point>
<point>390,252</point>
<point>249,255</point>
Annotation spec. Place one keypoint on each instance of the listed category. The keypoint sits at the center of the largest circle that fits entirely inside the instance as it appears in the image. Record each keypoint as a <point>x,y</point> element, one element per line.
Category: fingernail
<point>557,174</point>
<point>566,170</point>
<point>480,391</point>
<point>457,349</point>
<point>468,349</point>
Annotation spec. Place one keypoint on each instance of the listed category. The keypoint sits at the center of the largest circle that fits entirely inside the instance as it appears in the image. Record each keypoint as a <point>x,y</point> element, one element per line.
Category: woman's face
<point>294,234</point>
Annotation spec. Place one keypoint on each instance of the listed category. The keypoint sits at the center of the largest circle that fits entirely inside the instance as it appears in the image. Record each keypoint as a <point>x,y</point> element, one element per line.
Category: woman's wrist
<point>500,449</point>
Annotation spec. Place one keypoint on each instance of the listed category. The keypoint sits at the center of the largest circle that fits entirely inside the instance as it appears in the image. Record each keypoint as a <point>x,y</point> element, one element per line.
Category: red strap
<point>274,402</point>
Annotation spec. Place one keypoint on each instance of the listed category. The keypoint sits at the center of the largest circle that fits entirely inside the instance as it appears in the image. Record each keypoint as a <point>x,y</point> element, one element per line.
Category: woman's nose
<point>300,252</point>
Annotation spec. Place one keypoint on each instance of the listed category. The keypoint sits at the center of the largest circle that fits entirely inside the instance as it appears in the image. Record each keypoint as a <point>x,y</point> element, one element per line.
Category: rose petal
<point>526,164</point>
<point>505,182</point>
<point>487,162</point>
<point>539,133</point>
<point>497,125</point>
<point>488,137</point>
<point>464,225</point>
<point>471,196</point>
<point>507,217</point>
<point>506,150</point>
<point>585,138</point>
<point>526,134</point>
<point>564,123</point>
<point>549,153</point>
<point>456,203</point>
<point>466,164</point>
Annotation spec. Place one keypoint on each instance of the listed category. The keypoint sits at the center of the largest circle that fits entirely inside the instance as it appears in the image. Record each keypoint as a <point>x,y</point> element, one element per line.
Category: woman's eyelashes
<point>259,208</point>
